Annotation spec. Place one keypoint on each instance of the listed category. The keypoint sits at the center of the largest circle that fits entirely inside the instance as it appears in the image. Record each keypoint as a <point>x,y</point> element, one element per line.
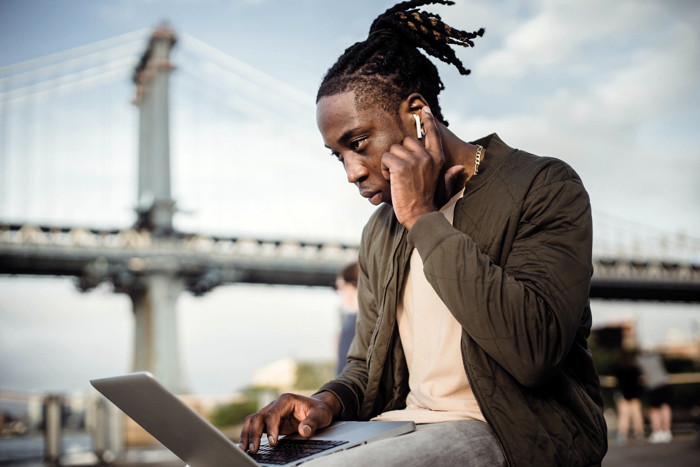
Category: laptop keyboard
<point>290,450</point>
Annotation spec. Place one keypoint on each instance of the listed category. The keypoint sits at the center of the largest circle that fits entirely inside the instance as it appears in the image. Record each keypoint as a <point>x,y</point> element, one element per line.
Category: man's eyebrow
<point>347,134</point>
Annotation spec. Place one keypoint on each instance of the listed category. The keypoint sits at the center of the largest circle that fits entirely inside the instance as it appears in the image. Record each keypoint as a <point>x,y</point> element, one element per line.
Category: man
<point>474,276</point>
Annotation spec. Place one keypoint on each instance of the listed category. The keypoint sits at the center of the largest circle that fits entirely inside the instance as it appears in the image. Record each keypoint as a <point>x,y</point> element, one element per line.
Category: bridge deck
<point>207,261</point>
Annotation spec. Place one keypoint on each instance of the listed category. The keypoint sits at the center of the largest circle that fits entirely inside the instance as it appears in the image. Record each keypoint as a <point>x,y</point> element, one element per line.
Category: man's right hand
<point>290,413</point>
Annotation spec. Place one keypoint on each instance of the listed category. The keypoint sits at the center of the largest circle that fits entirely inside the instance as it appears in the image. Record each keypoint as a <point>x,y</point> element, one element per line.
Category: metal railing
<point>83,429</point>
<point>51,427</point>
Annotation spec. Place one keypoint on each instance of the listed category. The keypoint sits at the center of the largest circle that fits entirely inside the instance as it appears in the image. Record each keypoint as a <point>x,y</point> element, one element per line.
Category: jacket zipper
<point>391,272</point>
<point>393,269</point>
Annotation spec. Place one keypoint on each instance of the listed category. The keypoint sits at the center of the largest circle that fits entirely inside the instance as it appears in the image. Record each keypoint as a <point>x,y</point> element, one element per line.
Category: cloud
<point>657,79</point>
<point>559,34</point>
<point>611,89</point>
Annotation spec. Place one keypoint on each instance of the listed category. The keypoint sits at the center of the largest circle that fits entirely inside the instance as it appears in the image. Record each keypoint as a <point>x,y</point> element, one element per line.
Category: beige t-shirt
<point>431,336</point>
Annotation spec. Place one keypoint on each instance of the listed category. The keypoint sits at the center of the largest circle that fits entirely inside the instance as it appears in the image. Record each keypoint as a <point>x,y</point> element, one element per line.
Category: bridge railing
<point>97,253</point>
<point>133,239</point>
<point>79,429</point>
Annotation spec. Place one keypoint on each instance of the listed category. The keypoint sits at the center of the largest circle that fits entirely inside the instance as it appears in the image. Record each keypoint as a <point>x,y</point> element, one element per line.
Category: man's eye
<point>337,155</point>
<point>358,143</point>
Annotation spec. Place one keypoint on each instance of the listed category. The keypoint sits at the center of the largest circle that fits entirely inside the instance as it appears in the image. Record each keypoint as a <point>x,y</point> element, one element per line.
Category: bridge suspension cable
<point>43,102</point>
<point>264,81</point>
<point>134,38</point>
<point>104,55</point>
<point>67,83</point>
<point>245,90</point>
<point>615,236</point>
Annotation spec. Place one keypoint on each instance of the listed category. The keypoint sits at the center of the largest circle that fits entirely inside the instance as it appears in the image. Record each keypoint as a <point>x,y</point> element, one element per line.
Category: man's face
<point>359,138</point>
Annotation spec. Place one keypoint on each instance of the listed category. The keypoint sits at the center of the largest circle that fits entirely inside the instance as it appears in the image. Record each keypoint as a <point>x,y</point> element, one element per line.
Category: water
<point>55,339</point>
<point>22,449</point>
<point>224,336</point>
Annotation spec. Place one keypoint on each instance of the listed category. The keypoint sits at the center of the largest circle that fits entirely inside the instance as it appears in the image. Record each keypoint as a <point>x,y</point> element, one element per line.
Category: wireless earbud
<point>419,127</point>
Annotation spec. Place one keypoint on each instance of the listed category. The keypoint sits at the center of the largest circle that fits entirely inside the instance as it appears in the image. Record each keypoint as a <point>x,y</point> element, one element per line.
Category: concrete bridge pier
<point>156,347</point>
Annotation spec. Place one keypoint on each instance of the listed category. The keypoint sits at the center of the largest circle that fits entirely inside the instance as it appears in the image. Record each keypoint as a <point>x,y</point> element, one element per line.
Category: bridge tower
<point>155,292</point>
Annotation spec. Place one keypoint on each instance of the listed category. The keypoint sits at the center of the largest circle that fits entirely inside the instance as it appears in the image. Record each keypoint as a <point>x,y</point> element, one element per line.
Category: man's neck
<point>458,152</point>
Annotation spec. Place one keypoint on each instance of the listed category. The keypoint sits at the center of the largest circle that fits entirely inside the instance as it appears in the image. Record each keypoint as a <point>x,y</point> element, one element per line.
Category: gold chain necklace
<point>477,160</point>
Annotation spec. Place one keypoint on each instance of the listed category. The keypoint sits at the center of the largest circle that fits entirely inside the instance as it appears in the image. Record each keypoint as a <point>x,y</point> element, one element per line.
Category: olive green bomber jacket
<point>515,271</point>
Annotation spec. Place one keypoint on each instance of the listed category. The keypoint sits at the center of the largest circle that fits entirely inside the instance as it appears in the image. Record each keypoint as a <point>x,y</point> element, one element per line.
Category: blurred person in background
<point>346,286</point>
<point>659,395</point>
<point>629,404</point>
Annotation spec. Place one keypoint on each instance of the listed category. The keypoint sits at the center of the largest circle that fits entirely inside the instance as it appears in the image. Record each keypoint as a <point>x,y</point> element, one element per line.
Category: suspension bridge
<point>68,171</point>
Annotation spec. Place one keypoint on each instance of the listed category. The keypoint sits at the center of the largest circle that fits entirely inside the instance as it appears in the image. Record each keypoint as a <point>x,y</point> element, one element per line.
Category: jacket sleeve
<point>525,315</point>
<point>349,387</point>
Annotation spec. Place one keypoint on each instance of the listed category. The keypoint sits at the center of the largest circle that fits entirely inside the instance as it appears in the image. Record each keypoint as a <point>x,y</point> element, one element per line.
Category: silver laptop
<point>198,443</point>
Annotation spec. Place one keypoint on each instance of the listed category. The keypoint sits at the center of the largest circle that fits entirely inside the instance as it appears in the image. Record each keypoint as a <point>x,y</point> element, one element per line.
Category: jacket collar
<point>496,154</point>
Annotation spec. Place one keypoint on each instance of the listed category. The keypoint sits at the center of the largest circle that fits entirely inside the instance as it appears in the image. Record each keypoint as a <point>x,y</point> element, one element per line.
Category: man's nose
<point>355,170</point>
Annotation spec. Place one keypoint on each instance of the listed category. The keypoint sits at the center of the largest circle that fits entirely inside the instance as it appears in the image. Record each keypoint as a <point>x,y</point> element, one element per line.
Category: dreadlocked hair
<point>388,66</point>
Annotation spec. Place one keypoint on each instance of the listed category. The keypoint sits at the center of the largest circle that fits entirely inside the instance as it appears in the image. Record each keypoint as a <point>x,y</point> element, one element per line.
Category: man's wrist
<point>414,217</point>
<point>330,400</point>
<point>428,232</point>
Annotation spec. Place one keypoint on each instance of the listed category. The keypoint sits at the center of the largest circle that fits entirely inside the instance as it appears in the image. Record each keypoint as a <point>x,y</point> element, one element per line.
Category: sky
<point>609,87</point>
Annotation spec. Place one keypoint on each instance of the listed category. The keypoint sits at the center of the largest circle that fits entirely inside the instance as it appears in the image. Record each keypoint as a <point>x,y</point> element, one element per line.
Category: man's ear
<point>409,107</point>
<point>413,103</point>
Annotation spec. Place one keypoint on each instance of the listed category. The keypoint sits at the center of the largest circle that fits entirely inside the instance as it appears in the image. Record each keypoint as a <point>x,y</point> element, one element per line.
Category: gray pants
<point>464,443</point>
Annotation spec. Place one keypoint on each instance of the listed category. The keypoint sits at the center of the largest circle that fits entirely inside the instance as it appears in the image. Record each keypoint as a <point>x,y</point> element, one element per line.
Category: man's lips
<point>366,192</point>
<point>375,197</point>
